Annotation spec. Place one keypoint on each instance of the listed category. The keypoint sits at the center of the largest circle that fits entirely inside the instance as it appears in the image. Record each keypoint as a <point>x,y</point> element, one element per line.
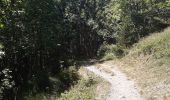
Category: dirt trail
<point>122,88</point>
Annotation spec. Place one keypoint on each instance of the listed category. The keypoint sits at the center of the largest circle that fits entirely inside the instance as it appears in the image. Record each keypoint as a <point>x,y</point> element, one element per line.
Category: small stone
<point>112,74</point>
<point>123,97</point>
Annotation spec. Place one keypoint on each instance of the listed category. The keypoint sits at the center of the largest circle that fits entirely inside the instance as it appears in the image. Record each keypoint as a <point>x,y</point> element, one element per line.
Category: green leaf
<point>1,26</point>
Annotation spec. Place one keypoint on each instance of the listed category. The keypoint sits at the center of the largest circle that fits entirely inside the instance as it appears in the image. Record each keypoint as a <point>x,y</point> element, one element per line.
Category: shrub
<point>67,78</point>
<point>108,52</point>
<point>83,90</point>
<point>59,83</point>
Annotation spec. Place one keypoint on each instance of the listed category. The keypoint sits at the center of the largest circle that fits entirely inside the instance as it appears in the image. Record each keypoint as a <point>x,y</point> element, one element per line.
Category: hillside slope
<point>148,63</point>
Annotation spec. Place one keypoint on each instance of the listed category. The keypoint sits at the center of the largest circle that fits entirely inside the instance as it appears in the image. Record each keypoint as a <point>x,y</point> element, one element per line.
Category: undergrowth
<point>110,52</point>
<point>85,89</point>
<point>59,83</point>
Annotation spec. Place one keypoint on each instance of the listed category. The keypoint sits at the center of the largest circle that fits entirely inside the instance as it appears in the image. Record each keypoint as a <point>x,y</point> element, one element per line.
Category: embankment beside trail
<point>148,63</point>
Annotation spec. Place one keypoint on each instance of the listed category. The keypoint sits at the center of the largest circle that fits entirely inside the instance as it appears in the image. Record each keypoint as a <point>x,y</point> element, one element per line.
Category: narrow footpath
<point>121,87</point>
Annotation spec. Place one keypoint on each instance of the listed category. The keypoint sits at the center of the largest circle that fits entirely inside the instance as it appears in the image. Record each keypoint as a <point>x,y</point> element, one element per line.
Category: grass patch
<point>157,44</point>
<point>84,90</point>
<point>148,62</point>
<point>89,87</point>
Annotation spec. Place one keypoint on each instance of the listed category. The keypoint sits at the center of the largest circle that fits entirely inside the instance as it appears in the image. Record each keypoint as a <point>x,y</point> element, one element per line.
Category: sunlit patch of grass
<point>109,56</point>
<point>84,90</point>
<point>157,43</point>
<point>87,88</point>
<point>1,46</point>
<point>148,62</point>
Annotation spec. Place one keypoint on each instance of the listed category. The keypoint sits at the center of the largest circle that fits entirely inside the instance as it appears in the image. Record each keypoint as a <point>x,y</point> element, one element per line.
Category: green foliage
<point>62,81</point>
<point>128,21</point>
<point>40,37</point>
<point>109,52</point>
<point>83,90</point>
<point>108,56</point>
<point>1,46</point>
<point>67,77</point>
<point>6,82</point>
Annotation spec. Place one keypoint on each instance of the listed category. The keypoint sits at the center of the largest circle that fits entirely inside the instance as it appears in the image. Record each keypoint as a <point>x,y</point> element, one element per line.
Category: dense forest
<point>42,38</point>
